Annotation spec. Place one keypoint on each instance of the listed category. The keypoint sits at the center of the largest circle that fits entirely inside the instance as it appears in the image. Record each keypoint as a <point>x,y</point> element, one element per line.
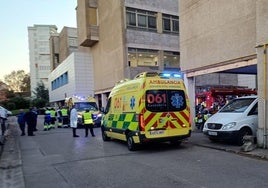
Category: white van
<point>235,120</point>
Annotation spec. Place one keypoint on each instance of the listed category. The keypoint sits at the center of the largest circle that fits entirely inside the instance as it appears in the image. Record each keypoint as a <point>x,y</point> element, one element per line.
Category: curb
<point>246,154</point>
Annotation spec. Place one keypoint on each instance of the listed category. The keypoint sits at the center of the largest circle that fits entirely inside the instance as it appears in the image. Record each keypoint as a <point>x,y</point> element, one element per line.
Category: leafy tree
<point>41,96</point>
<point>41,92</point>
<point>26,84</point>
<point>17,80</point>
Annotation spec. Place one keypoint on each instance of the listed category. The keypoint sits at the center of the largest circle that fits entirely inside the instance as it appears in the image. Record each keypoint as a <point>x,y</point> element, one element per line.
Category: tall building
<point>62,45</point>
<point>127,37</point>
<point>71,70</point>
<point>39,53</point>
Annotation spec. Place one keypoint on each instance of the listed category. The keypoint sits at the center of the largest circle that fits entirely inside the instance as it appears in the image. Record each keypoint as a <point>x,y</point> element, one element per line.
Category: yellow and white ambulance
<point>153,107</point>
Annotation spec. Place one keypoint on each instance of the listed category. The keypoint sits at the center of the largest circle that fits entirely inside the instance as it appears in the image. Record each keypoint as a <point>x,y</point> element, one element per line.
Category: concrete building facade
<point>72,77</point>
<point>39,53</point>
<point>72,68</point>
<point>219,36</point>
<point>126,37</point>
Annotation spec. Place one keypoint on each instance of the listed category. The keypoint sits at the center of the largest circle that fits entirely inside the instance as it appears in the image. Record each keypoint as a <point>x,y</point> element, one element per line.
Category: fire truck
<point>214,97</point>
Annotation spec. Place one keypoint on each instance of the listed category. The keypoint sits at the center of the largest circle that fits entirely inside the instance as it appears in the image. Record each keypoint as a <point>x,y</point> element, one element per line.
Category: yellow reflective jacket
<point>87,118</point>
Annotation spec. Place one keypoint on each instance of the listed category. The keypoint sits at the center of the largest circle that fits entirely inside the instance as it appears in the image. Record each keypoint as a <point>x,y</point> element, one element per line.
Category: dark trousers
<point>90,127</point>
<point>30,128</point>
<point>3,125</point>
<point>74,132</point>
<point>22,128</point>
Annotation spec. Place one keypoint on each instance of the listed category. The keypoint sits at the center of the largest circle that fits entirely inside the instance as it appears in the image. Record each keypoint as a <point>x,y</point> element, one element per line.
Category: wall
<point>215,32</point>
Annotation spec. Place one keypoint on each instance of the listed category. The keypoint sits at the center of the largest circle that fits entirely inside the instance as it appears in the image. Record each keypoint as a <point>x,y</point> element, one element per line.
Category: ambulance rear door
<point>167,113</point>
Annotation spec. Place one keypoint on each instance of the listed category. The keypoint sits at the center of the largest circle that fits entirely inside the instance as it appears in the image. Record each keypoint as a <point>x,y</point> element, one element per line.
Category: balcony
<point>91,36</point>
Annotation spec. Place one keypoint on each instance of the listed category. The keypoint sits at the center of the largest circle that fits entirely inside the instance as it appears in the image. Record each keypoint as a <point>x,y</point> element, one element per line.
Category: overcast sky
<point>16,16</point>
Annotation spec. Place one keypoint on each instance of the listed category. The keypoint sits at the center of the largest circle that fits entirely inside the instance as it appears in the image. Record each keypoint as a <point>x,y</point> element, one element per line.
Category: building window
<point>170,24</point>
<point>141,19</point>
<point>171,59</point>
<point>142,57</point>
<point>60,81</point>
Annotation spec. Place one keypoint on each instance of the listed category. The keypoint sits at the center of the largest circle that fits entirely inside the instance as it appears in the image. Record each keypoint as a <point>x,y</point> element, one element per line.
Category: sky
<point>16,16</point>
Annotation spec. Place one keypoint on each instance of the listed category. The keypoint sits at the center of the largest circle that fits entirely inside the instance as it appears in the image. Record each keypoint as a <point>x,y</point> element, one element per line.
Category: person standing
<point>65,117</point>
<point>35,111</point>
<point>53,117</point>
<point>73,120</point>
<point>47,120</point>
<point>3,118</point>
<point>88,122</point>
<point>21,121</point>
<point>30,120</point>
<point>59,117</point>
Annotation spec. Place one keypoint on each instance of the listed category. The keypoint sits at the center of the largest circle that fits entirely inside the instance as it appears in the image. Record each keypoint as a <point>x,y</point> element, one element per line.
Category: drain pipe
<point>264,91</point>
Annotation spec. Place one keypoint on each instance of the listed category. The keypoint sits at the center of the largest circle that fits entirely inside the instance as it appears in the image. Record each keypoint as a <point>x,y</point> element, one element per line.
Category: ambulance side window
<point>108,106</point>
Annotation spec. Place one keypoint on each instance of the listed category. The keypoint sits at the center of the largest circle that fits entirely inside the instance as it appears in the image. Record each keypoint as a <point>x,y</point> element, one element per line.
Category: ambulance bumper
<point>144,139</point>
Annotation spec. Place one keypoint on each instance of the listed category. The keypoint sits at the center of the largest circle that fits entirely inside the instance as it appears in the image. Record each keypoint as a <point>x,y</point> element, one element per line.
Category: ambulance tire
<point>130,143</point>
<point>104,136</point>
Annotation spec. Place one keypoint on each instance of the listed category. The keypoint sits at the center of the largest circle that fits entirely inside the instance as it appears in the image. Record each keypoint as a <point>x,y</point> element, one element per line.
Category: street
<point>55,159</point>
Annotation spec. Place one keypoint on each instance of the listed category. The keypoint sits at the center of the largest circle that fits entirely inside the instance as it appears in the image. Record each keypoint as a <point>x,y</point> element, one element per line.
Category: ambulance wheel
<point>104,136</point>
<point>130,143</point>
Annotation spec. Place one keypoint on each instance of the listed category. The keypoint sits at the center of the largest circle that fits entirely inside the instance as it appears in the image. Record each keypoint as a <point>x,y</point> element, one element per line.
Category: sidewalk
<point>200,139</point>
<point>11,174</point>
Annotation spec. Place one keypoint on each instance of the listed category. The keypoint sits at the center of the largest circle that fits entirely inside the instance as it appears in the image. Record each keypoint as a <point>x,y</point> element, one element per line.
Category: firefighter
<point>53,117</point>
<point>88,122</point>
<point>65,117</point>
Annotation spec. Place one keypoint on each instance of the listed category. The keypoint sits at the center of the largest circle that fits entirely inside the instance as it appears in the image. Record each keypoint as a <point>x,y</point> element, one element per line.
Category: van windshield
<point>165,100</point>
<point>237,105</point>
<point>82,106</point>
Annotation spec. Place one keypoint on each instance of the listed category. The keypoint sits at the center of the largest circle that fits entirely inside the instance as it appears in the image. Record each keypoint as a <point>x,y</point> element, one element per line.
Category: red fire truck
<point>213,97</point>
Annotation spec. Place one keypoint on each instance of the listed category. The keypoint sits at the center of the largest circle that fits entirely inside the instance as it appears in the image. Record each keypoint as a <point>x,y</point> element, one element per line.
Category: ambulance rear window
<point>165,100</point>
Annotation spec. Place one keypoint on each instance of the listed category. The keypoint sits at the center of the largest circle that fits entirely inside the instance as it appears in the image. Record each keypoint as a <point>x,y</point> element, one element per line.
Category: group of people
<point>62,115</point>
<point>87,120</point>
<point>29,118</point>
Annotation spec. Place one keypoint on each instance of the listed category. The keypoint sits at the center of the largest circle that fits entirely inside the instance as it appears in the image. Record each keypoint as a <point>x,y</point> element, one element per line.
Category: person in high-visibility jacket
<point>65,117</point>
<point>47,120</point>
<point>53,117</point>
<point>88,122</point>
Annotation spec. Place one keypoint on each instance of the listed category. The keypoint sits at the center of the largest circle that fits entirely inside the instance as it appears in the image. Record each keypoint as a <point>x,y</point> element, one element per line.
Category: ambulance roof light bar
<point>171,75</point>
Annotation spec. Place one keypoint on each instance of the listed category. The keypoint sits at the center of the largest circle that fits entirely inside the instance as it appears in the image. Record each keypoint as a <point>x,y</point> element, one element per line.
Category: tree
<point>26,84</point>
<point>18,81</point>
<point>41,96</point>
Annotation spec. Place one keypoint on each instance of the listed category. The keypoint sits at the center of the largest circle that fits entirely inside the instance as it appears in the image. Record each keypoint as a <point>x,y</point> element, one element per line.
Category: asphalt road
<point>55,159</point>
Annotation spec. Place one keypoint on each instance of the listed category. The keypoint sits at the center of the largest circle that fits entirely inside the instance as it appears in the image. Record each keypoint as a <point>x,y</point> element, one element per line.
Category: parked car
<point>233,121</point>
<point>4,112</point>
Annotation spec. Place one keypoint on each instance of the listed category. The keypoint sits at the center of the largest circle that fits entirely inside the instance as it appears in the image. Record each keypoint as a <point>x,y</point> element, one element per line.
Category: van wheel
<point>104,136</point>
<point>130,143</point>
<point>243,132</point>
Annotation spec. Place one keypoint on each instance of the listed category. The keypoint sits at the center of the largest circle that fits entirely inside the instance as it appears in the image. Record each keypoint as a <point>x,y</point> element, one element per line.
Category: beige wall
<point>108,53</point>
<point>214,31</point>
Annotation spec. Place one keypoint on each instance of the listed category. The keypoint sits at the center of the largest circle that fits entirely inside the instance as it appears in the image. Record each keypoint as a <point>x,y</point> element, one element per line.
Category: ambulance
<point>83,103</point>
<point>153,107</point>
